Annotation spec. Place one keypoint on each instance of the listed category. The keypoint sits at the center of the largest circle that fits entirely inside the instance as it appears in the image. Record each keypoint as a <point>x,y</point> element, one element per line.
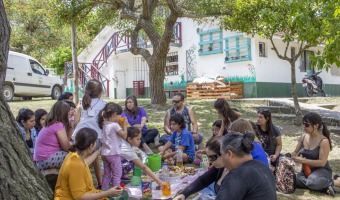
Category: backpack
<point>285,175</point>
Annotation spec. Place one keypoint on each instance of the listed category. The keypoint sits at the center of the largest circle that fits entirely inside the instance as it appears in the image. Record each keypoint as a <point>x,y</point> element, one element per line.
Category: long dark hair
<point>223,108</point>
<point>240,144</point>
<point>38,115</point>
<point>267,115</point>
<point>59,113</point>
<point>315,119</point>
<point>24,114</point>
<point>109,110</point>
<point>135,110</point>
<point>93,89</point>
<point>85,137</point>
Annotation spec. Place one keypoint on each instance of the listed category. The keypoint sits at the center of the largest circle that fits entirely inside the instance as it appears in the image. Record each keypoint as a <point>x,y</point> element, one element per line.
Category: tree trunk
<point>156,77</point>
<point>75,63</point>
<point>298,112</point>
<point>19,177</point>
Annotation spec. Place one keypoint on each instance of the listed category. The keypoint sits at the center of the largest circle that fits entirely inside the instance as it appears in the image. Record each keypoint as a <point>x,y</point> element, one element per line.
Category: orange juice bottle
<point>306,169</point>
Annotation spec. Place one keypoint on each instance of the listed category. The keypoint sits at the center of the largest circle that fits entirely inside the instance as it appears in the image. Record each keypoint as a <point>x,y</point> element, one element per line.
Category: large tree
<point>19,177</point>
<point>156,20</point>
<point>295,21</point>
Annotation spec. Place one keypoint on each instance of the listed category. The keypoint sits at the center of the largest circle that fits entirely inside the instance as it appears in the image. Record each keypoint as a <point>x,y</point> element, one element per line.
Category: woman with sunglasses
<point>228,114</point>
<point>313,149</point>
<point>214,175</point>
<point>247,178</point>
<point>269,135</point>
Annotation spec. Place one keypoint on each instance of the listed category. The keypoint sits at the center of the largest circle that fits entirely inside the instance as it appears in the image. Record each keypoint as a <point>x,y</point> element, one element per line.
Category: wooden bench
<point>51,176</point>
<point>231,90</point>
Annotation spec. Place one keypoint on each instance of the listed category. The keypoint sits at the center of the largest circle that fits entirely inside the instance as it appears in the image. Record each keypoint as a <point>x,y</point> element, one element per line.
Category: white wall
<point>267,69</point>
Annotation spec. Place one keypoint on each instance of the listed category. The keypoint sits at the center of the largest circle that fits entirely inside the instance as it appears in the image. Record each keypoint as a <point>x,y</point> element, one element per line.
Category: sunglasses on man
<point>213,157</point>
<point>176,101</point>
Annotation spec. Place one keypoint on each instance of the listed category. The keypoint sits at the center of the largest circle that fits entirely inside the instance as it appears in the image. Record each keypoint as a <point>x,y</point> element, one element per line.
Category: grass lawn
<point>206,115</point>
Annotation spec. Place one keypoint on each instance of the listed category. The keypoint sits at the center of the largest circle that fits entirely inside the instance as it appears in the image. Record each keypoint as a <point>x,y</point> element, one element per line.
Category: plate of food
<point>189,170</point>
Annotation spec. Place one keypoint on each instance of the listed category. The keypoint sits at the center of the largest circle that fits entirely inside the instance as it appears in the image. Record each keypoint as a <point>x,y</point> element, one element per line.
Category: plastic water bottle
<point>205,162</point>
<point>166,189</point>
<point>179,158</point>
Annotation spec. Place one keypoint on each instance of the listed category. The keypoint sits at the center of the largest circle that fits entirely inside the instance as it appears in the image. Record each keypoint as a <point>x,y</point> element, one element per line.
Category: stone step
<point>328,106</point>
<point>277,109</point>
<point>284,116</point>
<point>334,129</point>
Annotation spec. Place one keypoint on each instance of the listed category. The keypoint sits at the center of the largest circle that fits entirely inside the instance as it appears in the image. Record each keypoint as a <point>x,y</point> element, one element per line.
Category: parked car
<point>26,78</point>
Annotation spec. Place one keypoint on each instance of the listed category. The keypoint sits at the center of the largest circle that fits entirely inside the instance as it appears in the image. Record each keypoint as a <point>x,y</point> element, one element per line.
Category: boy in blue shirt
<point>181,138</point>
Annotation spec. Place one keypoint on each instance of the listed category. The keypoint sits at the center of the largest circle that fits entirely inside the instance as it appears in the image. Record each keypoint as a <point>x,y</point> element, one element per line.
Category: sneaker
<point>330,191</point>
<point>336,176</point>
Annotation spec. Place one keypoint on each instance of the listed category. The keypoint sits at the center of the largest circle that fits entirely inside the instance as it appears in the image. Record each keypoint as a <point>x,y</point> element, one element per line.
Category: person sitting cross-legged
<point>189,116</point>
<point>181,138</point>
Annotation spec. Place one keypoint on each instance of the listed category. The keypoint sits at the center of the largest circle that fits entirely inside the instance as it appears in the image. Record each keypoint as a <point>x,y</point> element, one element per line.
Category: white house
<point>201,50</point>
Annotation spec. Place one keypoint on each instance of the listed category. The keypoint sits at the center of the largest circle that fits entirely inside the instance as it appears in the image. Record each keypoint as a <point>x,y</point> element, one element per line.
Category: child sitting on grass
<point>129,157</point>
<point>182,139</point>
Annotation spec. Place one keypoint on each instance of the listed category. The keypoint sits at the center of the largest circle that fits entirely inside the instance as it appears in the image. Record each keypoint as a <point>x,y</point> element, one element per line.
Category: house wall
<point>266,76</point>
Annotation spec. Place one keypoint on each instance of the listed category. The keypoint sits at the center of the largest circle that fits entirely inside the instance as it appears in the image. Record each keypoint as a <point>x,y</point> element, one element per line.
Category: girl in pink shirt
<point>112,134</point>
<point>52,143</point>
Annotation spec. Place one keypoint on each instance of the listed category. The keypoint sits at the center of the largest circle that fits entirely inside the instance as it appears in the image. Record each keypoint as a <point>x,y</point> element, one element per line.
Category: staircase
<point>119,42</point>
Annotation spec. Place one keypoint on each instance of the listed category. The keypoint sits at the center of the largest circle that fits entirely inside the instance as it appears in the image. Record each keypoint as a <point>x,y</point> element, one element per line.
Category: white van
<point>26,78</point>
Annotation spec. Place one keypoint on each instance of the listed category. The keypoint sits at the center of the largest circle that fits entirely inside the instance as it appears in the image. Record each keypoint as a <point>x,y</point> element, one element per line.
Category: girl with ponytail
<point>75,179</point>
<point>92,105</point>
<point>313,150</point>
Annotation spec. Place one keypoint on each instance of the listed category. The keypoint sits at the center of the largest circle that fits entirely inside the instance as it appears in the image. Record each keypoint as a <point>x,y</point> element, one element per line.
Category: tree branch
<point>276,51</point>
<point>153,6</point>
<point>131,4</point>
<point>128,14</point>
<point>173,7</point>
<point>285,54</point>
<point>145,10</point>
<point>134,47</point>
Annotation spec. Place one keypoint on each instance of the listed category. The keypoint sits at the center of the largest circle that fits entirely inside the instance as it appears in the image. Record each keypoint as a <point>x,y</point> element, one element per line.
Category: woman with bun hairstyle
<point>75,179</point>
<point>92,105</point>
<point>247,178</point>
